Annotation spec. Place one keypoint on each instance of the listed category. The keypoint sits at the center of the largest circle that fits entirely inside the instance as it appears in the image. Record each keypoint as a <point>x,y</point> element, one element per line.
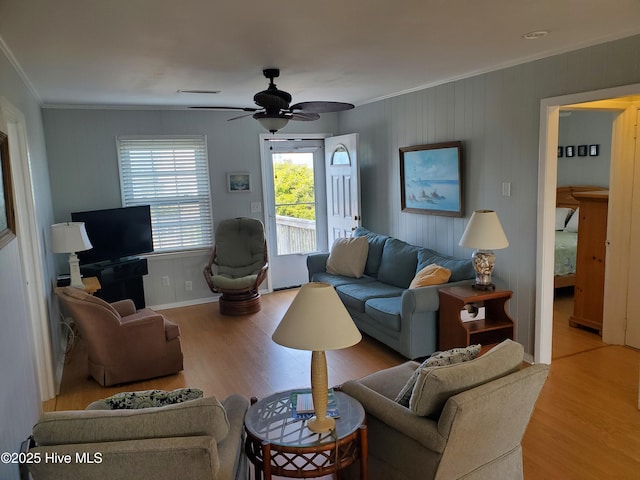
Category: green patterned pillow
<point>150,398</point>
<point>437,359</point>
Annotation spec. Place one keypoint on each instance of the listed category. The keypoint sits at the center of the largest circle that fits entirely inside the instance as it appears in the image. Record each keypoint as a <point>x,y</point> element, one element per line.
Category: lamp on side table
<point>484,233</point>
<point>71,237</point>
<point>317,321</point>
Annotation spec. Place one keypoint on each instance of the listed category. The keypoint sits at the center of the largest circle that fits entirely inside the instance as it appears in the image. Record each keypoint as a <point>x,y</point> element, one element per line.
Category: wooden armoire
<point>590,260</point>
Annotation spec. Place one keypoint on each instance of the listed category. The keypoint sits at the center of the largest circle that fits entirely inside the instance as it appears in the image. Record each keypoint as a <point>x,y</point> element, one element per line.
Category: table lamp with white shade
<point>317,321</point>
<point>484,233</point>
<point>71,237</point>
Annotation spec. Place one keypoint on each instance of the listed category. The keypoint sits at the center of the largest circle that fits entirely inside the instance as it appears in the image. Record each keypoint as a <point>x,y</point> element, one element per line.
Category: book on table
<point>302,404</point>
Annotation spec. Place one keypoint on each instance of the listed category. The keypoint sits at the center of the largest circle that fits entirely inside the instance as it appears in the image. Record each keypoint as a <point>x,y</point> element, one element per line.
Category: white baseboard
<point>186,303</point>
<point>197,301</point>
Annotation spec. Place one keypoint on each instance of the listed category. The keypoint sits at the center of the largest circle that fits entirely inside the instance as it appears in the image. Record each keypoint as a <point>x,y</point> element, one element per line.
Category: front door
<point>295,215</point>
<point>343,186</point>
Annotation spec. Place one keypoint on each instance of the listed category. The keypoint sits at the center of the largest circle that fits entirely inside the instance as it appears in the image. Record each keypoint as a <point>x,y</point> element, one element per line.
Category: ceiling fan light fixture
<point>272,123</point>
<point>273,110</point>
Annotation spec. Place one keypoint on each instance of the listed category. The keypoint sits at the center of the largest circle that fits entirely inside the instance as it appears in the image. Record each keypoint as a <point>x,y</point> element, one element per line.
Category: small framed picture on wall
<point>582,150</point>
<point>238,182</point>
<point>570,151</point>
<point>594,150</point>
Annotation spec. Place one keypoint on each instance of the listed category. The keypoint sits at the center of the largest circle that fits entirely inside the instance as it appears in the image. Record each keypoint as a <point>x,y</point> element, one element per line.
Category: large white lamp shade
<point>484,233</point>
<point>71,237</point>
<point>317,321</point>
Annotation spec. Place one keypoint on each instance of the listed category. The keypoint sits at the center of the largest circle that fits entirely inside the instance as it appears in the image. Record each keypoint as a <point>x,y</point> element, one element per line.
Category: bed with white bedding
<point>566,244</point>
<point>565,253</point>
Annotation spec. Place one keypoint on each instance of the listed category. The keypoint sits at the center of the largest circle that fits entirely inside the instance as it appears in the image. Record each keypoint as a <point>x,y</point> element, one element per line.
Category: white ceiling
<point>140,52</point>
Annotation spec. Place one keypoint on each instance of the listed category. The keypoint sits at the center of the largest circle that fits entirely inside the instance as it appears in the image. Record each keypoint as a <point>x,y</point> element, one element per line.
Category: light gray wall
<point>496,116</point>
<point>81,146</point>
<point>585,128</point>
<point>20,396</point>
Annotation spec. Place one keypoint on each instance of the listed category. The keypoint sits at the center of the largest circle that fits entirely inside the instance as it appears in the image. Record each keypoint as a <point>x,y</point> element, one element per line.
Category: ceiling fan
<point>275,111</point>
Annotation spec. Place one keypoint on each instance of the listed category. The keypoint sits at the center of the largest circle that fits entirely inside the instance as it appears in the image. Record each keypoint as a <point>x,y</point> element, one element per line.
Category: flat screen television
<point>116,233</point>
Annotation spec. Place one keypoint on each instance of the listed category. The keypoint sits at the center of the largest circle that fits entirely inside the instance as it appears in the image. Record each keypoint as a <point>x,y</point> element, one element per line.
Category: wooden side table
<point>91,285</point>
<point>495,327</point>
<point>278,444</point>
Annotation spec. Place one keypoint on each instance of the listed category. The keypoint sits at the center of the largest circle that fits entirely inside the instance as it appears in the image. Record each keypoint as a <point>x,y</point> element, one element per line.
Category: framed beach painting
<point>431,179</point>
<point>239,182</point>
<point>7,214</point>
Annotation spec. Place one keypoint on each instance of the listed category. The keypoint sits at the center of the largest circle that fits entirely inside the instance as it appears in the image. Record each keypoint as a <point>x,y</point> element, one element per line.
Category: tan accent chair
<point>238,265</point>
<point>123,345</point>
<point>197,439</point>
<point>470,421</point>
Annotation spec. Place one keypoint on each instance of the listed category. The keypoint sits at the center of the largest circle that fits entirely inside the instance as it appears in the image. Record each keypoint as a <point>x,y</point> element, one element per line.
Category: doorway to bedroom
<point>584,162</point>
<point>621,324</point>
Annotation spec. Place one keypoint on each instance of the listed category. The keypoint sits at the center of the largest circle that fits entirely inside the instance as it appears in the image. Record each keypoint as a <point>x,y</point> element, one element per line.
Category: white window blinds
<point>171,174</point>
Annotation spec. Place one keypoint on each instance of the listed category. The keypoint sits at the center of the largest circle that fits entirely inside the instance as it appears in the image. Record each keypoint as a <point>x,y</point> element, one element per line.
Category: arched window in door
<point>340,156</point>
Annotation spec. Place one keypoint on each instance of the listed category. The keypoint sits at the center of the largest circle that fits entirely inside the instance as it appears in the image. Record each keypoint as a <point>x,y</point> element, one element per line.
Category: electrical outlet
<point>188,285</point>
<point>506,189</point>
<point>256,207</point>
<point>165,281</point>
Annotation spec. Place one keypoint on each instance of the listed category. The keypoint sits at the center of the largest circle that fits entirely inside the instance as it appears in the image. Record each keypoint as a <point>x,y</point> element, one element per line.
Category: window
<point>295,207</point>
<point>170,174</point>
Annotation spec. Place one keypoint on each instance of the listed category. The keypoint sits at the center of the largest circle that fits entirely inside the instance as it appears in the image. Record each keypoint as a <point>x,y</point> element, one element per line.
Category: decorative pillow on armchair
<point>146,399</point>
<point>348,256</point>
<point>435,385</point>
<point>437,359</point>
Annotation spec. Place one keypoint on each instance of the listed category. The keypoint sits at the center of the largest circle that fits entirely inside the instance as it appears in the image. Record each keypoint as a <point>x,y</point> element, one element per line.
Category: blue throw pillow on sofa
<point>398,264</point>
<point>376,244</point>
<point>461,268</point>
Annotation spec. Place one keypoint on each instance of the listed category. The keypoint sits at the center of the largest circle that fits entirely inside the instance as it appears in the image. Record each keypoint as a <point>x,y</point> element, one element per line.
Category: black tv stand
<point>119,279</point>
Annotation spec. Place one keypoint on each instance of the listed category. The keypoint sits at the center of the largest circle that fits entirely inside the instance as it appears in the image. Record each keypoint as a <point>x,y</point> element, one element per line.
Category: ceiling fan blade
<point>321,107</point>
<point>240,116</point>
<point>303,116</point>
<point>241,109</point>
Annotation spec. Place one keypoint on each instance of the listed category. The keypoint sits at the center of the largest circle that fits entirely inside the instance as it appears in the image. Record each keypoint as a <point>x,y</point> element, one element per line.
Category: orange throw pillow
<point>432,274</point>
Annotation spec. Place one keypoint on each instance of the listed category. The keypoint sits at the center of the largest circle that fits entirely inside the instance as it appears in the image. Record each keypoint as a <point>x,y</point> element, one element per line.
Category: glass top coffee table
<point>278,444</point>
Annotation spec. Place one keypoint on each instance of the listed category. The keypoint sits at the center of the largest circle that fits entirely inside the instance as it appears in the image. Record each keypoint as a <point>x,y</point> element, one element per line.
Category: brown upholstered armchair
<point>238,265</point>
<point>123,345</point>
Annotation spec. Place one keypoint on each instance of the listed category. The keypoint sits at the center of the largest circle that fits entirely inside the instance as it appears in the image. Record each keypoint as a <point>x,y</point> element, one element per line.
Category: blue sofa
<point>381,303</point>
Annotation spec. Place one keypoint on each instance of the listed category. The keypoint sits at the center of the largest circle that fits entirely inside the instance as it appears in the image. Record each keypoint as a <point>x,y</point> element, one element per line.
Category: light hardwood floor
<point>586,424</point>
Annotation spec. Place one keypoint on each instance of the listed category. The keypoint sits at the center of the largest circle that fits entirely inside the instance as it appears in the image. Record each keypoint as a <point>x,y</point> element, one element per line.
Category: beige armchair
<point>465,420</point>
<point>196,439</point>
<point>123,345</point>
<point>238,265</point>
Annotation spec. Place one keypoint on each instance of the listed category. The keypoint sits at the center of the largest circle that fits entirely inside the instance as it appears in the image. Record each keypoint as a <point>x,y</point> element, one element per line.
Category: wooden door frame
<point>547,183</point>
<point>29,242</point>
